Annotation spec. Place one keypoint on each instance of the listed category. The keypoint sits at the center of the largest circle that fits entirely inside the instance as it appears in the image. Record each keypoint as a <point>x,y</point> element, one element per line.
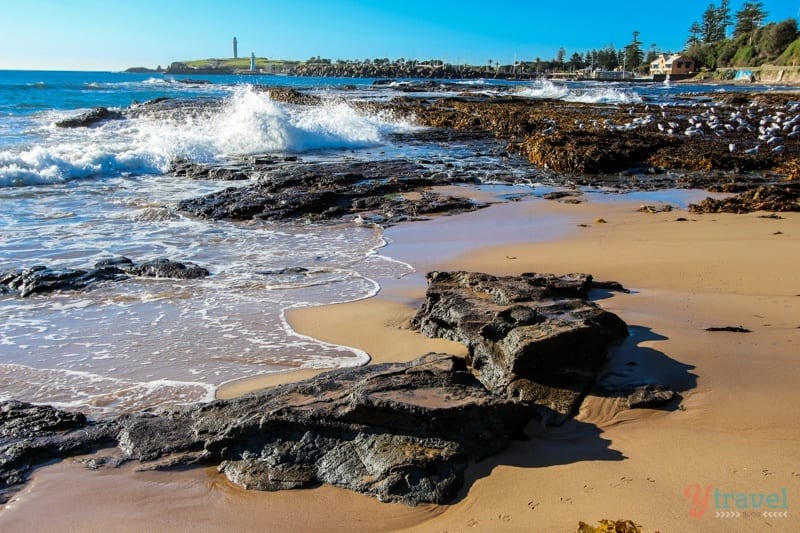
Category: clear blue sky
<point>116,34</point>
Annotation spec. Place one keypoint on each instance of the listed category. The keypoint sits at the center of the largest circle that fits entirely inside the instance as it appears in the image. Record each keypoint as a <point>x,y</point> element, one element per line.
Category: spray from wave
<point>546,89</point>
<point>247,123</point>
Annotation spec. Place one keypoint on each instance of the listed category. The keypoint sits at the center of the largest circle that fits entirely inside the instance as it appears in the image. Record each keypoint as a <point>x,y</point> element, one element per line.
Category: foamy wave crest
<point>249,122</point>
<point>604,95</point>
<point>255,124</point>
<point>56,164</point>
<point>545,89</point>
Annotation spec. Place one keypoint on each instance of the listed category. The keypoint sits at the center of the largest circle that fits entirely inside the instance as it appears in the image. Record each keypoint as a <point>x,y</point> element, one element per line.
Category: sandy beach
<point>734,432</point>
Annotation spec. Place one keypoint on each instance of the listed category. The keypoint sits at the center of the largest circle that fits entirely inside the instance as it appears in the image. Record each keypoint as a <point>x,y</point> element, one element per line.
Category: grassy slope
<point>791,56</point>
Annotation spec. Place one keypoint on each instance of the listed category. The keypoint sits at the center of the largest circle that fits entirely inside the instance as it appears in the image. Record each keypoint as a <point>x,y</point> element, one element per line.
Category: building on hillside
<point>675,65</point>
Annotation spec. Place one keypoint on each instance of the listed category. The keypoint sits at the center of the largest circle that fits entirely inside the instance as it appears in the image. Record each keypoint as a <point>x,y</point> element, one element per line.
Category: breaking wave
<point>546,89</point>
<point>248,122</point>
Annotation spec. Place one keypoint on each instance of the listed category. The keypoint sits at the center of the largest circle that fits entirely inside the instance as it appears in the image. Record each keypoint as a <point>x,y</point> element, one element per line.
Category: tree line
<point>712,43</point>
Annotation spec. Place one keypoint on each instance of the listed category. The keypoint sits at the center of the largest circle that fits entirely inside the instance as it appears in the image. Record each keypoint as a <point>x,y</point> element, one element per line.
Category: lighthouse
<point>252,61</point>
<point>235,50</point>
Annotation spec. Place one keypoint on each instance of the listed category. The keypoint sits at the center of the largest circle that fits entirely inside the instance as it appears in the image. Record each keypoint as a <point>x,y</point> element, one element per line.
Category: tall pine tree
<point>749,19</point>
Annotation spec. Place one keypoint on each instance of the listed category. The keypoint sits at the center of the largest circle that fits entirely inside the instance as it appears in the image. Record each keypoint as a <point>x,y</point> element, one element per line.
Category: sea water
<point>71,197</point>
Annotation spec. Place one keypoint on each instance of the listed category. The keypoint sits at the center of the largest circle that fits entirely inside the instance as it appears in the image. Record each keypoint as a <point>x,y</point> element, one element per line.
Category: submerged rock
<point>534,338</point>
<point>166,268</point>
<point>41,279</point>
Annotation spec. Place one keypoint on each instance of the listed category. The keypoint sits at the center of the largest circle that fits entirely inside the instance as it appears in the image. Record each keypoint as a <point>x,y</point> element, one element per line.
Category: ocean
<point>71,197</point>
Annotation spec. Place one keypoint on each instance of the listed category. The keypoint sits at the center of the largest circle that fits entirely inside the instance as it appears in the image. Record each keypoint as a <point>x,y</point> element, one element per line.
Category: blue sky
<point>116,34</point>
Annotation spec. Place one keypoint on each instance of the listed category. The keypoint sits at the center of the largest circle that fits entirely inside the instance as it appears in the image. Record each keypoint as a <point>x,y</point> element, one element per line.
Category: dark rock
<point>31,435</point>
<point>533,338</point>
<point>646,396</point>
<point>19,420</point>
<point>41,279</point>
<point>776,198</point>
<point>90,118</point>
<point>609,286</point>
<point>165,268</point>
<point>731,329</point>
<point>231,172</point>
<point>332,191</point>
<point>602,139</point>
<point>290,95</point>
<point>592,152</point>
<point>189,81</point>
<point>402,432</point>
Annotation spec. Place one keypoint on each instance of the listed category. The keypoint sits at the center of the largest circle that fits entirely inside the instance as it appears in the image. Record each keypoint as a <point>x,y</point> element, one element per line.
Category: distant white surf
<point>546,89</point>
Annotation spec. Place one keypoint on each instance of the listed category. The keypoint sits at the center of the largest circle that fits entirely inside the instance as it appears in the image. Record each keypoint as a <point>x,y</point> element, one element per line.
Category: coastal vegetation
<point>751,42</point>
<point>719,39</point>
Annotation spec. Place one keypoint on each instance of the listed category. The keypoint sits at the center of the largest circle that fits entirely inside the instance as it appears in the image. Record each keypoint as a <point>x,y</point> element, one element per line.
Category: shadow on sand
<point>629,365</point>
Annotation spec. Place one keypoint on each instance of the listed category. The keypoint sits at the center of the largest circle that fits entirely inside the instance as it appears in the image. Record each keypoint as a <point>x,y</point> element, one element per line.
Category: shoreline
<point>685,277</point>
<point>711,270</point>
<point>728,430</point>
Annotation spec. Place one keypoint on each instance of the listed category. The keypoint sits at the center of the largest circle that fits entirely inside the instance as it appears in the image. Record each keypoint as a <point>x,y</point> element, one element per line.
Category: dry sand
<point>736,431</point>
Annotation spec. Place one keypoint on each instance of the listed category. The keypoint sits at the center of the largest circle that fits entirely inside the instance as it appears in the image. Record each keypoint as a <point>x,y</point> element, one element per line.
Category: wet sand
<point>736,429</point>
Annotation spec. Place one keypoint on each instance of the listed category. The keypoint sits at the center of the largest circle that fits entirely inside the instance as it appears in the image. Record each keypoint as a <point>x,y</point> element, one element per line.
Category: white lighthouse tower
<point>252,61</point>
<point>235,49</point>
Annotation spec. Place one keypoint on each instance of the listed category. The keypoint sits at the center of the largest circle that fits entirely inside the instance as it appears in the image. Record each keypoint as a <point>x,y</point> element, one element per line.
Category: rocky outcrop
<point>533,339</point>
<point>591,152</point>
<point>402,432</point>
<point>41,279</point>
<point>31,435</point>
<point>290,95</point>
<point>90,118</point>
<point>377,190</point>
<point>776,198</point>
<point>596,138</point>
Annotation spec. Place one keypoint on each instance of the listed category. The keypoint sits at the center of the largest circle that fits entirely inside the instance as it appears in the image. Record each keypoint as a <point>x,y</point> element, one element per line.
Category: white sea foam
<point>546,89</point>
<point>97,394</point>
<point>248,123</point>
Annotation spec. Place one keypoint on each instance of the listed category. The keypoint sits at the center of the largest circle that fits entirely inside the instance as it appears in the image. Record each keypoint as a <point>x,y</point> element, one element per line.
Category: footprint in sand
<point>624,480</point>
<point>532,505</point>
